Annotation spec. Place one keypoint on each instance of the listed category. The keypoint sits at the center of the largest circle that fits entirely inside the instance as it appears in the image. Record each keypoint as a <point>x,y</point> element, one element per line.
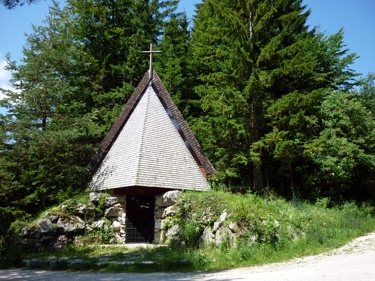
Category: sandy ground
<point>355,261</point>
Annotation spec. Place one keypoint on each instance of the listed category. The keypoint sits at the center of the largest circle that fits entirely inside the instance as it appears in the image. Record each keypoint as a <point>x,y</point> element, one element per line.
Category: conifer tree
<point>172,64</point>
<point>114,34</point>
<point>248,53</point>
<point>261,75</point>
<point>45,145</point>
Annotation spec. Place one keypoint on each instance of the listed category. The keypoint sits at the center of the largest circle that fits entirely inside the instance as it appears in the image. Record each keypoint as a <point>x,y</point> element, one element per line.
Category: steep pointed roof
<point>150,144</point>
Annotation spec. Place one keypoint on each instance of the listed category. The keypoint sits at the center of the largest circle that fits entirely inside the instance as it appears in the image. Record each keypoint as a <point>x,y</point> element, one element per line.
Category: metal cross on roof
<point>150,52</point>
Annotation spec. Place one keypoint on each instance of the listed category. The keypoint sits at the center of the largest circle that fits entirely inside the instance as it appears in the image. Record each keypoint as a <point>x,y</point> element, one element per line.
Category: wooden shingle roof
<point>164,142</point>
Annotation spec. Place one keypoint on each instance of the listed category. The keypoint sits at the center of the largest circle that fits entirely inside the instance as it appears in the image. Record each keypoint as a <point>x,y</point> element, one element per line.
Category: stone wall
<point>72,222</point>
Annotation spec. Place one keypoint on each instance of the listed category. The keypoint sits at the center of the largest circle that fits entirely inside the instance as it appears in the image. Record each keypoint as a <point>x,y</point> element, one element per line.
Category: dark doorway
<point>139,218</point>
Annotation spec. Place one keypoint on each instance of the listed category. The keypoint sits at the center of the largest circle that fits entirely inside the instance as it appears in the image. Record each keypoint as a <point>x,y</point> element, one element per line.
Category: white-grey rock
<point>116,226</point>
<point>98,224</point>
<point>167,199</point>
<point>223,216</point>
<point>25,232</point>
<point>94,197</point>
<point>71,224</point>
<point>110,201</point>
<point>121,220</point>
<point>173,232</point>
<point>45,225</point>
<point>207,237</point>
<point>85,209</point>
<point>54,218</point>
<point>233,227</point>
<point>119,239</point>
<point>169,211</point>
<point>224,234</point>
<point>217,225</point>
<point>113,212</point>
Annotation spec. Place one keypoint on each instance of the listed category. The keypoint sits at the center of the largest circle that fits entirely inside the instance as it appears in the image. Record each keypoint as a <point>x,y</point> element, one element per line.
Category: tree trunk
<point>257,179</point>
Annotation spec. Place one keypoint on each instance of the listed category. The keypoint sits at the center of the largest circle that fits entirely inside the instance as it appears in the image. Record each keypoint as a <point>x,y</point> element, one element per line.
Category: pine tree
<point>248,53</point>
<point>114,34</point>
<point>172,64</point>
<point>262,76</point>
<point>46,133</point>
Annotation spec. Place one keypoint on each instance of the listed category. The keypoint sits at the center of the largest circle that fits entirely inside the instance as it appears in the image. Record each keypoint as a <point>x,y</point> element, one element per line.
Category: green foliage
<point>190,234</point>
<point>102,198</point>
<point>46,131</point>
<point>345,148</point>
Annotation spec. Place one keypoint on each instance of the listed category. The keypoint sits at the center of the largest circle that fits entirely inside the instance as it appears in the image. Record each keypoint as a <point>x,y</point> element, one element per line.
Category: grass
<point>277,230</point>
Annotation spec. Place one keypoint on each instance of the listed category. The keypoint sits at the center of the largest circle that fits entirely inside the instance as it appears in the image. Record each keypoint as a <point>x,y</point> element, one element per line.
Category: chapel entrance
<point>140,218</point>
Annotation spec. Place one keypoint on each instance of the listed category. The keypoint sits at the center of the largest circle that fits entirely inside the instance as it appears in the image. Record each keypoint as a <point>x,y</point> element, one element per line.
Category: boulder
<point>98,224</point>
<point>61,242</point>
<point>110,201</point>
<point>169,211</point>
<point>207,237</point>
<point>94,197</point>
<point>167,199</point>
<point>113,212</point>
<point>70,225</point>
<point>85,209</point>
<point>223,216</point>
<point>217,225</point>
<point>223,234</point>
<point>116,226</point>
<point>117,239</point>
<point>25,232</point>
<point>174,232</point>
<point>122,219</point>
<point>54,218</point>
<point>45,225</point>
<point>233,227</point>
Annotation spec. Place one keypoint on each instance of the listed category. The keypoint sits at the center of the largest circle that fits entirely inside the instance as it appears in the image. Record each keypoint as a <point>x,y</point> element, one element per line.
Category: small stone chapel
<point>149,151</point>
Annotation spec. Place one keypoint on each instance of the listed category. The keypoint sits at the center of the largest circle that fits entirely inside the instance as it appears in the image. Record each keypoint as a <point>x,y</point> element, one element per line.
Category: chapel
<point>149,150</point>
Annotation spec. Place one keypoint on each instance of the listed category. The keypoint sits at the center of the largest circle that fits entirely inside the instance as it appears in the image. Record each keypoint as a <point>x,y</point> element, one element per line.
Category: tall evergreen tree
<point>113,34</point>
<point>172,64</point>
<point>45,144</point>
<point>249,52</point>
<point>261,75</point>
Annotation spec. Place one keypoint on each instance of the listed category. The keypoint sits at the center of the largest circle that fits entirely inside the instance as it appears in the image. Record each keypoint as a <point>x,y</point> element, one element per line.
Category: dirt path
<point>355,261</point>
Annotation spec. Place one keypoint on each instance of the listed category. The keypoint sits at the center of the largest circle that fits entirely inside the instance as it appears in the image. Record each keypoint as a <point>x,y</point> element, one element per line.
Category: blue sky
<point>356,17</point>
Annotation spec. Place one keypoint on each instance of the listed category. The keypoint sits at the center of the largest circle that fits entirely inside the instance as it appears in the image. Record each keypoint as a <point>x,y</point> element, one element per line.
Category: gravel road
<point>354,261</point>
